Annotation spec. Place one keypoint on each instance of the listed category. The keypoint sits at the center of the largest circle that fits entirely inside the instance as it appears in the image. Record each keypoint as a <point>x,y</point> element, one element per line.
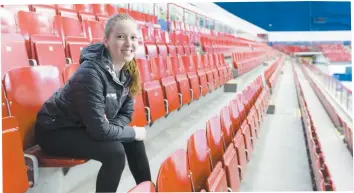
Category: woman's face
<point>122,41</point>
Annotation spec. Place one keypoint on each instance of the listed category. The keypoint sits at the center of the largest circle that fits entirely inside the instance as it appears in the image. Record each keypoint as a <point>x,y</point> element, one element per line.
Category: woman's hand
<point>140,133</point>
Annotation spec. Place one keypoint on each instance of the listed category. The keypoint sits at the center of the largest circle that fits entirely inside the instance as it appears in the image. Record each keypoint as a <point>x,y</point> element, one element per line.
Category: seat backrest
<point>85,8</point>
<point>188,63</point>
<point>100,9</point>
<point>199,159</point>
<point>217,181</point>
<point>67,10</point>
<point>13,52</point>
<point>48,50</point>
<point>235,116</point>
<point>27,99</point>
<point>146,186</point>
<point>226,125</point>
<point>165,67</point>
<point>151,50</point>
<point>31,23</point>
<point>69,70</point>
<point>139,116</point>
<point>66,26</point>
<point>48,10</point>
<point>215,139</point>
<point>8,22</point>
<point>94,30</point>
<point>174,174</point>
<point>177,64</point>
<point>15,178</point>
<point>144,69</point>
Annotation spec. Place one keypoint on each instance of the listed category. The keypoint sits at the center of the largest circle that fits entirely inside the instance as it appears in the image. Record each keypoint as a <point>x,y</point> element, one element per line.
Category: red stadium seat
<point>93,30</point>
<point>232,168</point>
<point>67,10</point>
<point>27,99</point>
<point>143,187</point>
<point>199,159</point>
<point>212,67</point>
<point>48,10</point>
<point>8,22</point>
<point>69,70</point>
<point>209,72</point>
<point>73,37</point>
<point>226,125</point>
<point>235,116</point>
<point>201,74</point>
<point>246,132</point>
<point>217,181</point>
<point>152,91</point>
<point>85,12</point>
<point>15,178</point>
<point>139,116</point>
<point>13,46</point>
<point>5,103</point>
<point>174,175</point>
<point>182,79</point>
<point>189,69</point>
<point>215,139</point>
<point>239,144</point>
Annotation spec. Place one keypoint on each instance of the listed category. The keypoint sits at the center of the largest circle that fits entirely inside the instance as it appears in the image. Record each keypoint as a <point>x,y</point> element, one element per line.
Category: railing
<point>342,94</point>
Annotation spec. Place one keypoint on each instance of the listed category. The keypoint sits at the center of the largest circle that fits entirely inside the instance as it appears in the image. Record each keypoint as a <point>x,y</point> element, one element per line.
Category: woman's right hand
<point>140,133</point>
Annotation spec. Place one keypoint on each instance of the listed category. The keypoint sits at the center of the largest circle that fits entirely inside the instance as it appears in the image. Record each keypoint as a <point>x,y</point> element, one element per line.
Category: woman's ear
<point>105,41</point>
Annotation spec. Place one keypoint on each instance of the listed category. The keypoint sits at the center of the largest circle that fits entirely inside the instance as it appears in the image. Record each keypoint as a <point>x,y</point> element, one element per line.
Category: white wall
<point>309,36</point>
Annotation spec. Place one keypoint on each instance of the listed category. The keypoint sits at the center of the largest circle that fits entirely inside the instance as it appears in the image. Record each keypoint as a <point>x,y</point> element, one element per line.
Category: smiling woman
<point>92,112</point>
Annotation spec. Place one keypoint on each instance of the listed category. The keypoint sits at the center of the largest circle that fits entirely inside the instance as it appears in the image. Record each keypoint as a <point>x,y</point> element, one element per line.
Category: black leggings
<point>76,143</point>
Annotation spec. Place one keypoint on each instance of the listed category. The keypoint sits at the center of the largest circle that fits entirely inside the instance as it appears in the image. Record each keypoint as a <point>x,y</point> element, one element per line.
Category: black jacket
<point>92,92</point>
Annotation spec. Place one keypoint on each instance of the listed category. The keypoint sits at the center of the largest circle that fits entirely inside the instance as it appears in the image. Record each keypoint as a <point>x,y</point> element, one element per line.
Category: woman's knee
<point>113,152</point>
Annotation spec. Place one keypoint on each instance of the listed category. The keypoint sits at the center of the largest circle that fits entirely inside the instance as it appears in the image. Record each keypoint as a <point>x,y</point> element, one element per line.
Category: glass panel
<point>176,13</point>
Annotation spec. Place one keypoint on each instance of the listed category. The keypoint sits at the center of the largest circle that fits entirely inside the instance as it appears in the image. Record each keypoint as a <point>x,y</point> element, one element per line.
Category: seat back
<point>199,159</point>
<point>139,115</point>
<point>8,22</point>
<point>217,181</point>
<point>235,116</point>
<point>13,52</point>
<point>226,125</point>
<point>15,178</point>
<point>31,23</point>
<point>69,70</point>
<point>174,174</point>
<point>146,186</point>
<point>40,83</point>
<point>215,139</point>
<point>94,30</point>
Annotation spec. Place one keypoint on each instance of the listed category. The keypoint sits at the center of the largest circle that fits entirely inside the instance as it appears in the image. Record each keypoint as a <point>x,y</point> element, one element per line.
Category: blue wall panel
<point>293,16</point>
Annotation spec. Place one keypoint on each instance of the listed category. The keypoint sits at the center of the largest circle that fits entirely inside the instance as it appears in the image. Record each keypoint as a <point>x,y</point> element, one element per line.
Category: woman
<point>89,116</point>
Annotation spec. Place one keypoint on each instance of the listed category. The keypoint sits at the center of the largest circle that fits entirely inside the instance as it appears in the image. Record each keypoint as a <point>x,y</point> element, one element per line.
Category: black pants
<point>76,143</point>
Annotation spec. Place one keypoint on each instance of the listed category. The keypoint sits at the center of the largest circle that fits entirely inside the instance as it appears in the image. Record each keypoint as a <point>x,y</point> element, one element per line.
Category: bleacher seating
<point>44,53</point>
<point>335,52</point>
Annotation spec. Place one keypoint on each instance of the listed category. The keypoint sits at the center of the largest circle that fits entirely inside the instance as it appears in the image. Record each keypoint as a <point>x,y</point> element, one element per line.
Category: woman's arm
<point>125,113</point>
<point>86,89</point>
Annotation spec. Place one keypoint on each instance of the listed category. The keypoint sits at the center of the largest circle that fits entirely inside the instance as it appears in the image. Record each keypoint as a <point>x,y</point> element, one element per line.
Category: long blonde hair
<point>132,66</point>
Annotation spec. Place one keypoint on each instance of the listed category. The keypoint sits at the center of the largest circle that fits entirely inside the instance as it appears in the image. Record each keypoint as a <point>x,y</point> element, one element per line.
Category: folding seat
<point>231,167</point>
<point>72,34</point>
<point>199,159</point>
<point>226,125</point>
<point>215,138</point>
<point>139,117</point>
<point>94,30</point>
<point>171,50</point>
<point>85,12</point>
<point>41,83</point>
<point>146,186</point>
<point>209,72</point>
<point>252,126</point>
<point>15,178</point>
<point>201,74</point>
<point>174,174</point>
<point>219,64</point>
<point>67,10</point>
<point>182,79</point>
<point>103,11</point>
<point>13,52</point>
<point>246,132</point>
<point>235,115</point>
<point>217,181</point>
<point>168,82</point>
<point>152,90</point>
<point>69,70</point>
<point>217,78</point>
<point>192,75</point>
<point>240,147</point>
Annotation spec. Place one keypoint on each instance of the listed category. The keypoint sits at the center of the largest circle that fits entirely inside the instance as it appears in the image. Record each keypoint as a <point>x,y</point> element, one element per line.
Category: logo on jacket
<point>125,91</point>
<point>112,95</point>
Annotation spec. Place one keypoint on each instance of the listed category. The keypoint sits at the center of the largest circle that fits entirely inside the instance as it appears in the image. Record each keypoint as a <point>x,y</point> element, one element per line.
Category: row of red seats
<point>41,82</point>
<point>217,157</point>
<point>212,154</point>
<point>319,167</point>
<point>334,116</point>
<point>246,61</point>
<point>93,12</point>
<point>335,52</point>
<point>273,71</point>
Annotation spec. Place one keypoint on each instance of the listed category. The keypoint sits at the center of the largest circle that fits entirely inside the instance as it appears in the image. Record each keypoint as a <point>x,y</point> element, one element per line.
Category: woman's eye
<point>120,36</point>
<point>134,37</point>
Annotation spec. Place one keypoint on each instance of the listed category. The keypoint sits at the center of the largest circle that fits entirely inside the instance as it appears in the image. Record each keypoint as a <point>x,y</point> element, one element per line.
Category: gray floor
<point>170,138</point>
<point>338,158</point>
<point>279,161</point>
